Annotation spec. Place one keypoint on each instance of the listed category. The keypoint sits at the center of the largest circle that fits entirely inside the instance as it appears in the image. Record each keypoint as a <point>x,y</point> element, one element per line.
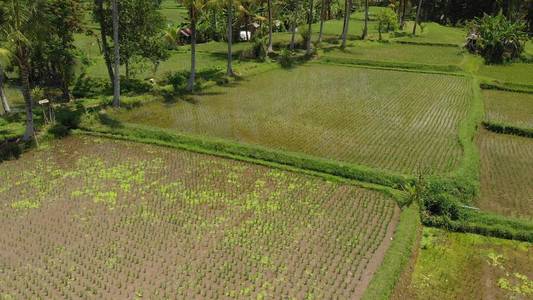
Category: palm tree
<point>347,12</point>
<point>309,28</point>
<point>116,44</point>
<point>229,13</point>
<point>322,17</point>
<point>270,50</point>
<point>4,57</point>
<point>194,7</point>
<point>19,30</point>
<point>417,16</point>
<point>365,28</point>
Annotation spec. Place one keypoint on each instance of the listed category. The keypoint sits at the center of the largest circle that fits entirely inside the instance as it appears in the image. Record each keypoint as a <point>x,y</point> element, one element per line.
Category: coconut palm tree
<point>116,45</point>
<point>365,28</point>
<point>195,8</point>
<point>322,18</point>
<point>347,13</point>
<point>4,58</point>
<point>19,30</point>
<point>309,28</point>
<point>417,19</point>
<point>270,50</point>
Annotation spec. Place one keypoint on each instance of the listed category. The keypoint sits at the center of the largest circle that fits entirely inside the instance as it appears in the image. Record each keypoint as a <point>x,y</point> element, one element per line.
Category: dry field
<point>506,174</point>
<point>515,109</point>
<point>99,218</point>
<point>396,121</point>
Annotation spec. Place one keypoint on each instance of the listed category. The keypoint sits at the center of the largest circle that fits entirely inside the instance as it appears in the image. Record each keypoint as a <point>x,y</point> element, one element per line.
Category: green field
<point>468,266</point>
<point>518,73</point>
<point>384,119</point>
<point>514,109</point>
<point>398,53</point>
<point>434,33</point>
<point>506,177</point>
<point>111,219</point>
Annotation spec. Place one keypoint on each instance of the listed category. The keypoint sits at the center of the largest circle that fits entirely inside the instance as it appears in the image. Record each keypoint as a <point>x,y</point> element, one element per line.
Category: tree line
<point>37,37</point>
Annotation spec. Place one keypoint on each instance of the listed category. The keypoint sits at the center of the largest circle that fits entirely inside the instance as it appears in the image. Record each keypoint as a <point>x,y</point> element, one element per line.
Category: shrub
<point>88,87</point>
<point>59,130</point>
<point>134,86</point>
<point>496,38</point>
<point>178,80</point>
<point>10,150</point>
<point>285,58</point>
<point>387,21</point>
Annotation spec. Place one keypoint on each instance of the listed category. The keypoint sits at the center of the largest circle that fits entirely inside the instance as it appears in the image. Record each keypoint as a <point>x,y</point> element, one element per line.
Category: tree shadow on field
<point>108,121</point>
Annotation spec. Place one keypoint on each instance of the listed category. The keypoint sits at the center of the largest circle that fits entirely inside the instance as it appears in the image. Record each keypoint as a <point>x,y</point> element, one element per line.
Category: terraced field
<point>515,109</point>
<point>506,177</point>
<point>101,218</point>
<point>396,52</point>
<point>519,73</point>
<point>468,266</point>
<point>397,121</point>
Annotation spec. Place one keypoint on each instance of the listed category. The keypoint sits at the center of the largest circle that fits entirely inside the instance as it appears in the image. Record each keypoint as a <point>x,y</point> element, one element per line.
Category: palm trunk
<point>29,134</point>
<point>309,29</point>
<point>402,19</point>
<point>322,17</point>
<point>192,77</point>
<point>348,8</point>
<point>365,28</point>
<point>105,46</point>
<point>3,98</point>
<point>293,34</point>
<point>270,49</point>
<point>418,9</point>
<point>116,44</point>
<point>229,71</point>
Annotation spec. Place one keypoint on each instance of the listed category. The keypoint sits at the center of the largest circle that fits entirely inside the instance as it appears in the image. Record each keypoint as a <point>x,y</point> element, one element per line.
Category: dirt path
<point>377,258</point>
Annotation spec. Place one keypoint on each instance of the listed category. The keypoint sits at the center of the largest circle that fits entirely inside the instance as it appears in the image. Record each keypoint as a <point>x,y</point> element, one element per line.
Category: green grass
<point>333,28</point>
<point>391,120</point>
<point>468,266</point>
<point>512,109</point>
<point>434,33</point>
<point>398,53</point>
<point>517,73</point>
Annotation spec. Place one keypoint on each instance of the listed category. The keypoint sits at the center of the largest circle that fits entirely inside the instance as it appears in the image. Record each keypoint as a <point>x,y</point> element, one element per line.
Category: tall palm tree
<point>229,13</point>
<point>322,17</point>
<point>347,13</point>
<point>365,28</point>
<point>194,7</point>
<point>270,50</point>
<point>4,57</point>
<point>19,30</point>
<point>116,44</point>
<point>309,28</point>
<point>417,19</point>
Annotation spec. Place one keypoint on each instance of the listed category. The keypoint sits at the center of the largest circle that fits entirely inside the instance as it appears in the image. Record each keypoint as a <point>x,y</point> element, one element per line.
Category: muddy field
<point>109,219</point>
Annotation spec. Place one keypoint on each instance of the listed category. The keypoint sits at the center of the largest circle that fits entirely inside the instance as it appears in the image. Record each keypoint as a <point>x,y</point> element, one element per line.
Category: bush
<point>387,21</point>
<point>178,80</point>
<point>88,87</point>
<point>10,150</point>
<point>496,38</point>
<point>285,58</point>
<point>59,130</point>
<point>134,86</point>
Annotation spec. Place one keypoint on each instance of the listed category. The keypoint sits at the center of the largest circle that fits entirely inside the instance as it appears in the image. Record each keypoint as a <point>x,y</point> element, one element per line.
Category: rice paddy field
<point>384,119</point>
<point>103,218</point>
<point>518,73</point>
<point>396,52</point>
<point>515,109</point>
<point>434,33</point>
<point>467,266</point>
<point>506,177</point>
